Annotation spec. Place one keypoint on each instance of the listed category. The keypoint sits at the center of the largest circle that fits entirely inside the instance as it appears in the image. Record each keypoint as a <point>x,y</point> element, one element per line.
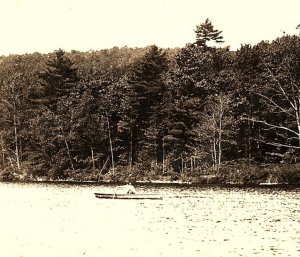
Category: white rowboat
<point>129,196</point>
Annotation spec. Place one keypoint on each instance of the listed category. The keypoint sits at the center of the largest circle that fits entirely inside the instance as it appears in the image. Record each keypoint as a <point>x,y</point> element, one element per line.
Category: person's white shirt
<point>129,189</point>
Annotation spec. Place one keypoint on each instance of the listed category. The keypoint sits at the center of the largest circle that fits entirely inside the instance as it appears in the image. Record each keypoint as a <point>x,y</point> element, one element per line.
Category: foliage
<point>205,32</point>
<point>143,107</point>
<point>200,113</point>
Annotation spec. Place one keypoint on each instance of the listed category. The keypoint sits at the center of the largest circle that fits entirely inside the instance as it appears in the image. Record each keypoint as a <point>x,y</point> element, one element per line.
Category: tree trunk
<point>163,154</point>
<point>2,153</point>
<point>220,133</point>
<point>130,151</point>
<point>111,146</point>
<point>69,154</point>
<point>214,154</point>
<point>297,112</point>
<point>16,142</point>
<point>93,159</point>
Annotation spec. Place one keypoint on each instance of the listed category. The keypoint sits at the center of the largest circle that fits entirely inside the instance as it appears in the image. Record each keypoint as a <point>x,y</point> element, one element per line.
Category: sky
<point>28,26</point>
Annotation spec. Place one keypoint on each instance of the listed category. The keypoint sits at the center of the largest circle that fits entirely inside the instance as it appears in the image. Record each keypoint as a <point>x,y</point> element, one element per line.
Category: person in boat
<point>129,189</point>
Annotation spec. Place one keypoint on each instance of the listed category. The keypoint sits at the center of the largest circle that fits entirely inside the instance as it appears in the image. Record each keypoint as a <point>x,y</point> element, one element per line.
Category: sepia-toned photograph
<point>149,128</point>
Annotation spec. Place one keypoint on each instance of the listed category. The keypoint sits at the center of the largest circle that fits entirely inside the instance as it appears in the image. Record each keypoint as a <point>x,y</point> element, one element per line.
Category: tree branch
<point>273,126</point>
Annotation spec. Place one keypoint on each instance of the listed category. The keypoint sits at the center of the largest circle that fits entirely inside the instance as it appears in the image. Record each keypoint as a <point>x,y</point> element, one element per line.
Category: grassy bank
<point>242,173</point>
<point>255,174</point>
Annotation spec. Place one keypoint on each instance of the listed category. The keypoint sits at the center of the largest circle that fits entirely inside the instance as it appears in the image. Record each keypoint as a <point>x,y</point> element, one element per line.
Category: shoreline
<point>230,174</point>
<point>159,183</point>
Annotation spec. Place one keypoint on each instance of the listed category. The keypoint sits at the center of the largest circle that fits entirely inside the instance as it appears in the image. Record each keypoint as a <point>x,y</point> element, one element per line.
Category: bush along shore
<point>187,114</point>
<point>237,173</point>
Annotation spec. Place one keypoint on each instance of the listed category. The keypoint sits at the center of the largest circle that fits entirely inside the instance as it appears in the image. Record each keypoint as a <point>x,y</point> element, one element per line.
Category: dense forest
<point>199,113</point>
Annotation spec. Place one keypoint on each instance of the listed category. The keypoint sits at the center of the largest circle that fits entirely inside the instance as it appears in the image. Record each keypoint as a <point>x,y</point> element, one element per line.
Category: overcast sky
<point>28,26</point>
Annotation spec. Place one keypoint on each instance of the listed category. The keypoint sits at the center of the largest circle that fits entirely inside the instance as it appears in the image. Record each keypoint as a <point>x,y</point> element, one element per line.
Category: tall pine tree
<point>206,32</point>
<point>145,88</point>
<point>52,137</point>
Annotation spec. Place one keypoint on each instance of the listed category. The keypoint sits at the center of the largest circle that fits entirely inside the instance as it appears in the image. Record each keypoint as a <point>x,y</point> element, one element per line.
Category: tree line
<point>142,112</point>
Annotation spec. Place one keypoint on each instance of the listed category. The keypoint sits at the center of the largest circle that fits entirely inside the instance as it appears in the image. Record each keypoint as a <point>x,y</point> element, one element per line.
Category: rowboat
<point>129,196</point>
<point>269,184</point>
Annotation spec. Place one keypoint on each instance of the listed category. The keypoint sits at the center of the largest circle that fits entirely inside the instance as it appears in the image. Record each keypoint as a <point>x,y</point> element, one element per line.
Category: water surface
<point>66,220</point>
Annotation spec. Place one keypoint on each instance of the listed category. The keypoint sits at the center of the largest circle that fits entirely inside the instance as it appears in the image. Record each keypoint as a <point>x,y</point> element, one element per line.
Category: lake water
<point>66,220</point>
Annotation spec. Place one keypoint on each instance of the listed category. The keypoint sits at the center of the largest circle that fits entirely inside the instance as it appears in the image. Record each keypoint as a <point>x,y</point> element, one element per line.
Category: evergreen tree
<point>205,32</point>
<point>246,104</point>
<point>146,86</point>
<point>52,140</point>
<point>95,122</point>
<point>58,79</point>
<point>200,73</point>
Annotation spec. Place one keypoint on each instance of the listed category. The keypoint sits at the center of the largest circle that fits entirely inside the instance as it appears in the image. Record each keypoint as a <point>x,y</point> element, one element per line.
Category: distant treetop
<point>205,32</point>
